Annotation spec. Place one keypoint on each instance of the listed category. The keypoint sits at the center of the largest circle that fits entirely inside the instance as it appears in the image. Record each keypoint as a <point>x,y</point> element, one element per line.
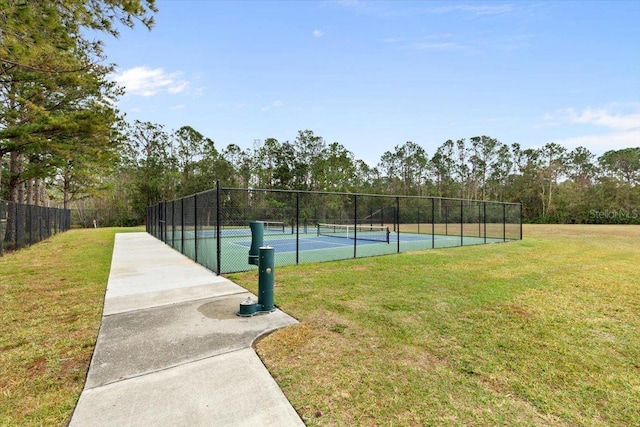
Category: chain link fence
<point>212,227</point>
<point>23,225</point>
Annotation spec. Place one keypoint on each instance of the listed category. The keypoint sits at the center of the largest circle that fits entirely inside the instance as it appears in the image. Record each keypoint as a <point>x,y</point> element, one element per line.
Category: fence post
<point>161,221</point>
<point>398,222</point>
<point>173,223</point>
<point>17,220</point>
<point>446,220</point>
<point>461,222</point>
<point>218,227</point>
<point>2,217</point>
<point>195,227</point>
<point>182,225</point>
<point>165,232</point>
<point>433,223</point>
<point>297,227</point>
<point>355,224</point>
<point>29,222</point>
<point>479,221</point>
<point>504,222</point>
<point>485,221</point>
<point>520,220</point>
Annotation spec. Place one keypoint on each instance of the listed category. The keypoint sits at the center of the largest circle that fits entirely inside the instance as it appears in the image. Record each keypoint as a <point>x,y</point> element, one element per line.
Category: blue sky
<point>373,75</point>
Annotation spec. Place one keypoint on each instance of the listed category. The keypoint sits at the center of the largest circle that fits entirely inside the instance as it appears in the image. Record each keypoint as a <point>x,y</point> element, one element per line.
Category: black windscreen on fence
<point>23,225</point>
<point>212,227</point>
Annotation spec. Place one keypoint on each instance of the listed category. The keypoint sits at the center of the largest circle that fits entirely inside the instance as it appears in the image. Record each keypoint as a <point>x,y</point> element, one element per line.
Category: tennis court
<point>308,246</point>
<point>212,227</point>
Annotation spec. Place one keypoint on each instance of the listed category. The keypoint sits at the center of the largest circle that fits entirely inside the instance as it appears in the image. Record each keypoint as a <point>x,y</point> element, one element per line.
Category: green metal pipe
<point>257,241</point>
<point>266,279</point>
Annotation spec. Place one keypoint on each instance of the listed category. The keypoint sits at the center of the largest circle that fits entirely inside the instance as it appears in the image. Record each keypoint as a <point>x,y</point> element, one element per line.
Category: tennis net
<point>376,233</point>
<point>274,226</point>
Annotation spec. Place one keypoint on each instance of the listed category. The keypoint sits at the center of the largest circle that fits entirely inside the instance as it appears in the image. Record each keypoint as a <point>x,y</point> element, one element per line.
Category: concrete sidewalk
<point>172,352</point>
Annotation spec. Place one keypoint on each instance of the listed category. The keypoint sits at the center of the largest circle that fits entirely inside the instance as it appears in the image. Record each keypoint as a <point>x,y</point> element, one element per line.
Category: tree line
<point>554,184</point>
<point>60,130</point>
<point>63,142</point>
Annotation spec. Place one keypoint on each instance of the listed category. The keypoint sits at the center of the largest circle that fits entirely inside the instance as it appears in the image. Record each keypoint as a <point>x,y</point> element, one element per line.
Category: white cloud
<point>620,126</point>
<point>386,9</point>
<point>317,33</point>
<point>601,143</point>
<point>275,104</point>
<point>603,117</point>
<point>487,9</point>
<point>178,87</point>
<point>145,81</point>
<point>476,9</point>
<point>435,46</point>
<point>429,42</point>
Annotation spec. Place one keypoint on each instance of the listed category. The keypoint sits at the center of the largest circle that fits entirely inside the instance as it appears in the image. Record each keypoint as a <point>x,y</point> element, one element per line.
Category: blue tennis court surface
<point>309,243</point>
<point>235,243</point>
<point>284,244</point>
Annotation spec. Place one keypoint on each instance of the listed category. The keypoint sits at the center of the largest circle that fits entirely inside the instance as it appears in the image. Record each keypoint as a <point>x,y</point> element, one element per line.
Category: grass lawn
<point>545,331</point>
<point>51,298</point>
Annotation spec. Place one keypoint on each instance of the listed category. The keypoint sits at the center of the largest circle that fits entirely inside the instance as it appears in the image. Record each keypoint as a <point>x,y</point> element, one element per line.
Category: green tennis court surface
<point>291,248</point>
<point>212,227</point>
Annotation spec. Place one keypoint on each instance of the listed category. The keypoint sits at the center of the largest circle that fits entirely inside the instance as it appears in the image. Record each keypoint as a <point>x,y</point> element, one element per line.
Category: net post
<point>371,215</point>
